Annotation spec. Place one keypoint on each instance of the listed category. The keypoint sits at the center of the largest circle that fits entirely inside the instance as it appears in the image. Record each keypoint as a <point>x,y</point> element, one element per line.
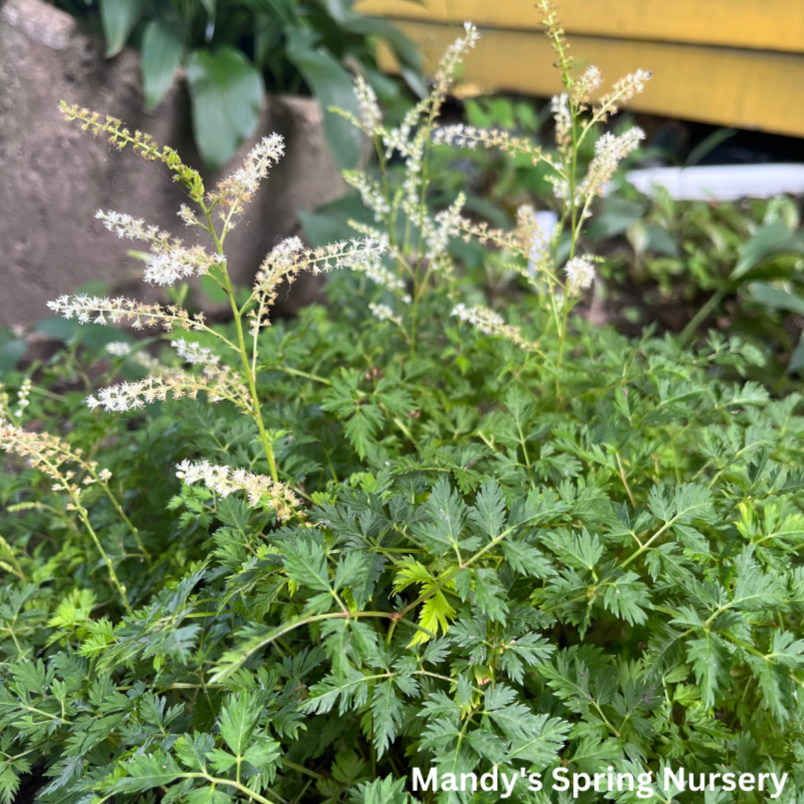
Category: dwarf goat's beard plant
<point>411,533</point>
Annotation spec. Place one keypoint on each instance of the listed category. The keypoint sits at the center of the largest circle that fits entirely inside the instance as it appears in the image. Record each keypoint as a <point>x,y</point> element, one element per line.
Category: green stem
<point>112,574</point>
<point>119,508</point>
<point>703,314</point>
<point>244,356</point>
<point>83,515</point>
<point>304,374</point>
<point>292,626</point>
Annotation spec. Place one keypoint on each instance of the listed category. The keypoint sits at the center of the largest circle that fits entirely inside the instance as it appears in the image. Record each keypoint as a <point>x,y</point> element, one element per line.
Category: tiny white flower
<point>580,274</point>
<point>369,110</point>
<point>118,348</point>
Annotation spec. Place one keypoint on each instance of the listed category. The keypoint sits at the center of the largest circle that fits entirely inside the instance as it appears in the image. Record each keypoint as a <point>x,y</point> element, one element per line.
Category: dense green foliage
<point>233,49</point>
<point>465,541</point>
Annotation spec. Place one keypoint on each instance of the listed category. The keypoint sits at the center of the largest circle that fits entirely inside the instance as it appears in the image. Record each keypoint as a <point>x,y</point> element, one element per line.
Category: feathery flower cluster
<point>284,253</point>
<point>118,349</point>
<point>239,188</point>
<point>546,222</point>
<point>194,353</point>
<point>136,395</point>
<point>398,139</point>
<point>282,263</point>
<point>384,313</point>
<point>452,58</point>
<point>260,490</point>
<point>22,397</point>
<point>412,184</point>
<point>535,230</point>
<point>626,88</point>
<point>610,150</point>
<point>218,383</point>
<point>170,260</point>
<point>485,320</point>
<point>526,225</point>
<point>180,263</point>
<point>371,193</point>
<point>509,241</point>
<point>128,228</point>
<point>45,452</point>
<point>187,216</point>
<point>378,273</point>
<point>449,222</point>
<point>290,257</point>
<point>98,310</point>
<point>490,323</point>
<point>589,82</point>
<point>580,274</point>
<point>561,189</point>
<point>463,136</point>
<point>559,106</point>
<point>370,116</point>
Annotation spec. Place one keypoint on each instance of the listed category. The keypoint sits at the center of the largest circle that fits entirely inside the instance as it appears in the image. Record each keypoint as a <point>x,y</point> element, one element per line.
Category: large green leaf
<point>162,48</point>
<point>332,86</point>
<point>777,298</point>
<point>404,49</point>
<point>118,18</point>
<point>371,26</point>
<point>226,92</point>
<point>770,241</point>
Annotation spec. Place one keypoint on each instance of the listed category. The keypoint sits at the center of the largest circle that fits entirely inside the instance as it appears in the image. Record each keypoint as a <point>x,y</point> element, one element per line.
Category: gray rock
<point>53,177</point>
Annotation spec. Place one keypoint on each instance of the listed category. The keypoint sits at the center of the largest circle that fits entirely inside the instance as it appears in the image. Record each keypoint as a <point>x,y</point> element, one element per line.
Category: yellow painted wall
<point>711,59</point>
<point>758,24</point>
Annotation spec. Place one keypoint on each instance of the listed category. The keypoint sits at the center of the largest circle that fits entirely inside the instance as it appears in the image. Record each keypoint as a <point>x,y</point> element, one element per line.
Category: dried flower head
<point>45,452</point>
